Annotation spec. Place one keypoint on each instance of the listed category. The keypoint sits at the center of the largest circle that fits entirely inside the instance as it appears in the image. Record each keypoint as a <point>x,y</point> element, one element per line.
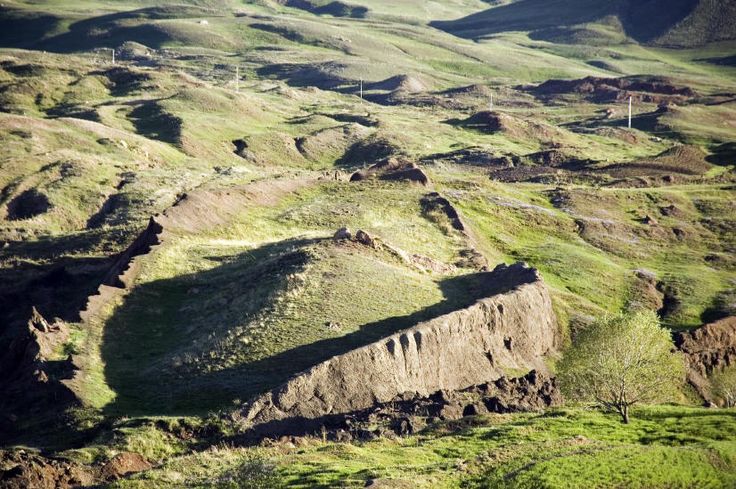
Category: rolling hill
<point>679,23</point>
<point>315,243</point>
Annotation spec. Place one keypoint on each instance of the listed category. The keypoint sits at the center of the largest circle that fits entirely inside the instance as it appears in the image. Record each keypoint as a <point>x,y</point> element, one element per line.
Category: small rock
<point>649,220</point>
<point>342,234</point>
<point>365,238</point>
<point>333,326</point>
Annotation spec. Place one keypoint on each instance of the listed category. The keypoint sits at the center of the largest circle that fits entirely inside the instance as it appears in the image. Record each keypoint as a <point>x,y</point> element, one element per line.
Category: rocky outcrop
<point>409,413</point>
<point>514,329</point>
<point>708,349</point>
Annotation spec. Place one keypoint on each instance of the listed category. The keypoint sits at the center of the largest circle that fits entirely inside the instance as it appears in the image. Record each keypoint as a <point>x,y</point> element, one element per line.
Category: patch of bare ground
<point>400,168</point>
<point>708,350</point>
<point>604,90</point>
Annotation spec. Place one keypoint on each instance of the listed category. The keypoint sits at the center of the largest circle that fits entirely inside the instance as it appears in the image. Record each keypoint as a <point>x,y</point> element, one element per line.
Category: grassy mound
<point>196,342</point>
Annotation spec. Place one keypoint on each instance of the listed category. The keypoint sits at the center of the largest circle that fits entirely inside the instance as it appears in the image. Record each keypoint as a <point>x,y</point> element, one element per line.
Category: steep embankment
<point>512,330</point>
<point>31,357</point>
<point>708,350</point>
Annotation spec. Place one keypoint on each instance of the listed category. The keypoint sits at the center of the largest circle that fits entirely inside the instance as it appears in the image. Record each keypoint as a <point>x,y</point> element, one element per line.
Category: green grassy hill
<point>682,23</point>
<point>245,286</point>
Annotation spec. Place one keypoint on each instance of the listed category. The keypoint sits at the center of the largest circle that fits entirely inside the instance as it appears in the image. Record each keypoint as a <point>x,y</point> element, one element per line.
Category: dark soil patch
<point>392,169</point>
<point>605,90</point>
<point>474,156</point>
<point>123,464</point>
<point>23,470</point>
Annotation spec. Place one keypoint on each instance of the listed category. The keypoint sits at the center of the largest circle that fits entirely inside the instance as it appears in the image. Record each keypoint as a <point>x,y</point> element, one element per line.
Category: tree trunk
<point>625,414</point>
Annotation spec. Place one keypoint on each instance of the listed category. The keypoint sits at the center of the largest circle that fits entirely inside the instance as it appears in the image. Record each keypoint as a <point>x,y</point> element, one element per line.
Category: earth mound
<point>654,90</point>
<point>473,156</point>
<point>681,159</point>
<point>707,350</point>
<point>493,122</point>
<point>369,150</point>
<point>408,413</point>
<point>403,83</point>
<point>393,169</point>
<point>331,142</point>
<point>512,327</point>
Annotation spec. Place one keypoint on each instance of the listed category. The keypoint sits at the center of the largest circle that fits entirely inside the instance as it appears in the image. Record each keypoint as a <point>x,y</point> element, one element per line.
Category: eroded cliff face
<point>512,330</point>
<point>707,350</point>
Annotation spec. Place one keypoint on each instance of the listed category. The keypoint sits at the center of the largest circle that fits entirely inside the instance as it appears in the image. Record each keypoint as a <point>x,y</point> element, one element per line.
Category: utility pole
<point>113,55</point>
<point>491,105</point>
<point>237,78</point>
<point>630,112</point>
<point>361,89</point>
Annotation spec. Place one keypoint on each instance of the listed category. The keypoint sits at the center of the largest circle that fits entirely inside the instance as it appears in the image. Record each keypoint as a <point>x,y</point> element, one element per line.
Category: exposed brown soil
<point>20,469</point>
<point>708,349</point>
<point>474,156</point>
<point>23,470</point>
<point>123,464</point>
<point>409,413</point>
<point>644,292</point>
<point>513,327</point>
<point>604,90</point>
<point>393,169</point>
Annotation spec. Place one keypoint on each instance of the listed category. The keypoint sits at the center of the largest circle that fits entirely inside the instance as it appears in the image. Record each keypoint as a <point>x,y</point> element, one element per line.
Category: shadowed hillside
<point>676,22</point>
<point>289,217</point>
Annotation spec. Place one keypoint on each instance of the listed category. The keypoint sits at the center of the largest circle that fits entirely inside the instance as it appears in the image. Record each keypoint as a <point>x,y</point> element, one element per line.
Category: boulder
<point>342,234</point>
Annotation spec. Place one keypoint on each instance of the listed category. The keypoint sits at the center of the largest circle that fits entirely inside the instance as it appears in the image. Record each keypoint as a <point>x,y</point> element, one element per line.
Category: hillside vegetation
<point>171,240</point>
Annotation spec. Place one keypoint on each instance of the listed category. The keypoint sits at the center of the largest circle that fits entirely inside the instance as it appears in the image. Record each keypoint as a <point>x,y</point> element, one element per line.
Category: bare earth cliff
<point>514,329</point>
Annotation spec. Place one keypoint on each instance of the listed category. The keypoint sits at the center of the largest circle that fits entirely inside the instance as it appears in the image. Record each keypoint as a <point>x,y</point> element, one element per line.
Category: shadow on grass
<point>153,326</point>
<point>35,30</point>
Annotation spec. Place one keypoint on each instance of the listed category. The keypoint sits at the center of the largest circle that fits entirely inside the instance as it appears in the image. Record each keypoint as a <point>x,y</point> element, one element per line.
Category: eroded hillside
<point>176,243</point>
